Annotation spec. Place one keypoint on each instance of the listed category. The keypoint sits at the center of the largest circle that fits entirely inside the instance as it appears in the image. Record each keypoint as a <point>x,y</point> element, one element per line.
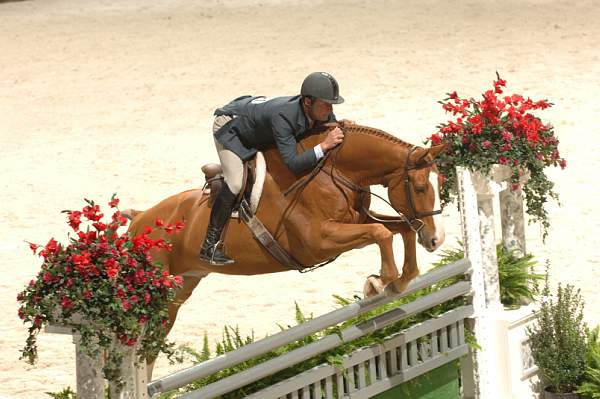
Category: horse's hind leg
<point>189,283</point>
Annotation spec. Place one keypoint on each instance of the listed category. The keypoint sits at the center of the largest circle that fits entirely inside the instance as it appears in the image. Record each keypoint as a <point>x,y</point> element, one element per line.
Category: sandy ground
<point>109,96</point>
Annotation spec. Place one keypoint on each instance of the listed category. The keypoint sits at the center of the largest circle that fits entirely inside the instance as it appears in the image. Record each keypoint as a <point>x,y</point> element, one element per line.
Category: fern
<point>590,387</point>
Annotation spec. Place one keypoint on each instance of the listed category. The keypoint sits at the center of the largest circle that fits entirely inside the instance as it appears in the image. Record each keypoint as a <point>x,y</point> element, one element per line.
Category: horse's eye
<point>420,189</point>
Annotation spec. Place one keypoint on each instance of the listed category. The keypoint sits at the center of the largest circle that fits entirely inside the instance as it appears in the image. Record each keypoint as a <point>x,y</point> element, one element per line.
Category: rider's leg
<point>233,172</point>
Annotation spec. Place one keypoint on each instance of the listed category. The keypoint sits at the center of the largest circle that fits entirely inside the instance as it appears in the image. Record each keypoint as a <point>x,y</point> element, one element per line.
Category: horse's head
<point>413,191</point>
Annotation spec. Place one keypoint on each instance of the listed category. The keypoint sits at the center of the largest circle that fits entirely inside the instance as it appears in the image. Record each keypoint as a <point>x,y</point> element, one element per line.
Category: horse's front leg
<point>340,237</point>
<point>410,270</point>
<point>181,295</point>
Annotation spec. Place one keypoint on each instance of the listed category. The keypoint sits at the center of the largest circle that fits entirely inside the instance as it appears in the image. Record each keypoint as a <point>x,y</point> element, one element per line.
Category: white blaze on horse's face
<point>439,235</point>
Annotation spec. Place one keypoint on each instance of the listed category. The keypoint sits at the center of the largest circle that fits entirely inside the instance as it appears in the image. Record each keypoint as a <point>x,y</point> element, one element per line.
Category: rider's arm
<point>285,140</point>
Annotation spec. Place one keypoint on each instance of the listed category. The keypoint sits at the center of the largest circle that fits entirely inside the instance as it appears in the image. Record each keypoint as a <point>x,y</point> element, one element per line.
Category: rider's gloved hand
<point>334,137</point>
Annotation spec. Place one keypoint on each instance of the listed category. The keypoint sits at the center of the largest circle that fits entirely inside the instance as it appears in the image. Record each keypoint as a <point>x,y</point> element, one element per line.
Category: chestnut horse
<point>324,216</point>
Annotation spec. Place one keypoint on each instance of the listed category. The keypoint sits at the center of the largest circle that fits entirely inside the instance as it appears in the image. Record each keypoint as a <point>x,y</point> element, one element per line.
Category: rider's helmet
<point>323,86</point>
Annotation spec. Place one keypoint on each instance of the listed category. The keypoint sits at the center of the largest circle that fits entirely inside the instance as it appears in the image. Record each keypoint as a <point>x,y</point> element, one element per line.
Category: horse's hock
<point>499,368</point>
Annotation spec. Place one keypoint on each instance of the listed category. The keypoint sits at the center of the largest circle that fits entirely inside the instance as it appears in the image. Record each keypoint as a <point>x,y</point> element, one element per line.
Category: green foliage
<point>590,387</point>
<point>66,393</point>
<point>558,339</point>
<point>517,280</point>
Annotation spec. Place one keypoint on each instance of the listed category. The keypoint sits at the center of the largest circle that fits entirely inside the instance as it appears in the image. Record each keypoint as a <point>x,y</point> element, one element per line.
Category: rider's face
<point>319,110</point>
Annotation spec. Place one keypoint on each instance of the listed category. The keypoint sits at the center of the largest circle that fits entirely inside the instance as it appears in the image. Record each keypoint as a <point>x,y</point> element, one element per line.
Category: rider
<point>248,122</point>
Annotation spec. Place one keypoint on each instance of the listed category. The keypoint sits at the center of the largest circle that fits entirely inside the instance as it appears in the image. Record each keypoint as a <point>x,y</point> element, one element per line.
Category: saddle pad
<point>261,172</point>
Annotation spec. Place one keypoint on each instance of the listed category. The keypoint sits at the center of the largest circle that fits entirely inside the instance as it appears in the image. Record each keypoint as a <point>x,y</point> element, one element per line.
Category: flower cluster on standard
<point>499,129</point>
<point>105,285</point>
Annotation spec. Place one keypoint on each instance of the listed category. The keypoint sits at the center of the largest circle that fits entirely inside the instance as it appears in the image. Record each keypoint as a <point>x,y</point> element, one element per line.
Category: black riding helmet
<point>323,86</point>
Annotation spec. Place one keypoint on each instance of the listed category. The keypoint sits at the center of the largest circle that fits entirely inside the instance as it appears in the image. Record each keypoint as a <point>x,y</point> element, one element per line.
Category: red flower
<point>435,139</point>
<point>159,222</point>
<point>179,225</point>
<point>99,226</point>
<point>74,219</point>
<point>486,144</point>
<point>112,272</point>
<point>147,230</point>
<point>147,297</point>
<point>503,160</point>
<point>143,319</point>
<point>114,202</point>
<point>66,302</point>
<point>47,277</point>
<point>126,305</point>
<point>51,248</point>
<point>33,247</point>
<point>87,294</point>
<point>92,213</point>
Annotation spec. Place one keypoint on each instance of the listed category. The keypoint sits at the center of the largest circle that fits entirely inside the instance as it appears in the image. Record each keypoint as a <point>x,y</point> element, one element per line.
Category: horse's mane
<point>359,129</point>
<point>375,132</point>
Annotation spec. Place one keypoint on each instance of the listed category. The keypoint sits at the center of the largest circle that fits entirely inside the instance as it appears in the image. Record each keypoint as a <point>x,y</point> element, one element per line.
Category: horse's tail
<point>131,213</point>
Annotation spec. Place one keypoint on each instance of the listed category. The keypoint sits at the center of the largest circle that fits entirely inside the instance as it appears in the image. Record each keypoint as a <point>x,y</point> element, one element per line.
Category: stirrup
<point>209,256</point>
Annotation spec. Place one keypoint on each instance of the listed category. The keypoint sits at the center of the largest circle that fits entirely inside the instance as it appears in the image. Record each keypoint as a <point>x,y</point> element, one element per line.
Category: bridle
<point>413,220</point>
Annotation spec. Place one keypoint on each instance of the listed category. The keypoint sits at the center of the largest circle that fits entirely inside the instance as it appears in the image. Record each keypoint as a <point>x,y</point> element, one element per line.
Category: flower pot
<point>552,395</point>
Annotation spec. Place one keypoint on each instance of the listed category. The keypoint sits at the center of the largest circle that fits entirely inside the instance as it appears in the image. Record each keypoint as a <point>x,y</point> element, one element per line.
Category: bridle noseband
<point>415,216</point>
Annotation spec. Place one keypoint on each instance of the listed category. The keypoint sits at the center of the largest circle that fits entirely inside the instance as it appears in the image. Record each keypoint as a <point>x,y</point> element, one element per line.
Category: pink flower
<point>486,144</point>
<point>563,163</point>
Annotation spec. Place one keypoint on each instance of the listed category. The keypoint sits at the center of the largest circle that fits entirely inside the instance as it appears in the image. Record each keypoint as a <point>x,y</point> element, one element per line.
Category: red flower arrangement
<point>499,129</point>
<point>108,280</point>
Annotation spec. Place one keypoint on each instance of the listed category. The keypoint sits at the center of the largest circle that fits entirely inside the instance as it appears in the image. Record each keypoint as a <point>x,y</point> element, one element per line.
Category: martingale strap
<point>262,235</point>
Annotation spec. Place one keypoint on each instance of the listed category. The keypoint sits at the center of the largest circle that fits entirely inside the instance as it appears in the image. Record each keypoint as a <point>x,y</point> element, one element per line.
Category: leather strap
<point>262,235</point>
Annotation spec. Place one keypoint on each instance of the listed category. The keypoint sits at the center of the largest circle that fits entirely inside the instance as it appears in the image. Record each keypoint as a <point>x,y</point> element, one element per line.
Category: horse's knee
<point>382,233</point>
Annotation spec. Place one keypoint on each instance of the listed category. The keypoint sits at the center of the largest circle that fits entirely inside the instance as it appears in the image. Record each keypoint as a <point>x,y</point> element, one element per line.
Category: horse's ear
<point>426,155</point>
<point>437,150</point>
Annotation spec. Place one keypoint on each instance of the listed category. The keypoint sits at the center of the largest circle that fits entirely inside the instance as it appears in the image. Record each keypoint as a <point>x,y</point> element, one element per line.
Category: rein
<point>414,221</point>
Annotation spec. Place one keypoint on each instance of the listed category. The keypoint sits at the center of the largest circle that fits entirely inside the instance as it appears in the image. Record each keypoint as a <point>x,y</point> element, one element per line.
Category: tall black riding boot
<point>219,215</point>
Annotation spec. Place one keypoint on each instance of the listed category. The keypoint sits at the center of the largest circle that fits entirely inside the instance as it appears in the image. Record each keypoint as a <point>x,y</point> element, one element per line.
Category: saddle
<point>254,177</point>
<point>247,203</point>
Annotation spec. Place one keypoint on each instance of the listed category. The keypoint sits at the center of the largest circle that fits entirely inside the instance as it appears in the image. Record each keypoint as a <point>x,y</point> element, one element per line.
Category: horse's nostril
<point>433,242</point>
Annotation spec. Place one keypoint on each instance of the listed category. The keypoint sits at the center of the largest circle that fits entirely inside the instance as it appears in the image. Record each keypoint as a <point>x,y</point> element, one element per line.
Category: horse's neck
<point>369,155</point>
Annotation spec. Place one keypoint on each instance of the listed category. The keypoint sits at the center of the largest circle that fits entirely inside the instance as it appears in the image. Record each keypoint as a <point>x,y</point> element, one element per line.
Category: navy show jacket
<point>259,123</point>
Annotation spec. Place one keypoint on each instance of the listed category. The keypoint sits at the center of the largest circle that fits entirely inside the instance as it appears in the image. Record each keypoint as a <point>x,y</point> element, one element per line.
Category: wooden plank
<point>413,355</point>
<point>443,335</point>
<point>434,344</point>
<point>453,335</point>
<point>362,378</point>
<point>372,370</point>
<point>329,387</point>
